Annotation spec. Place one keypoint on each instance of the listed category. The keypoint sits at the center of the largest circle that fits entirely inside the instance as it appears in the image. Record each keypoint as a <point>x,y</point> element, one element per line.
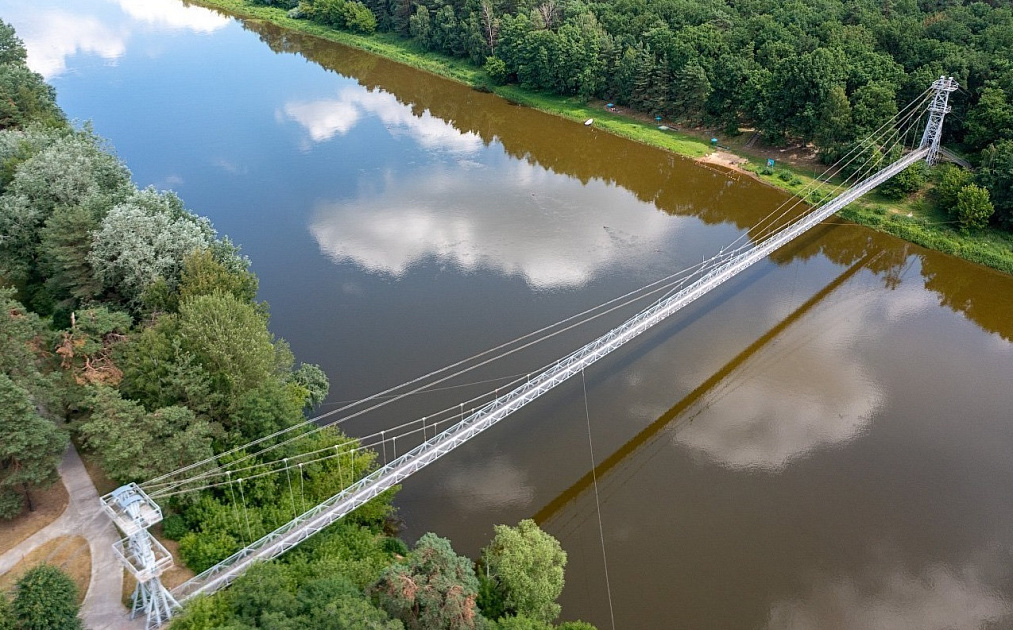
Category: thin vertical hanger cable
<point>597,502</point>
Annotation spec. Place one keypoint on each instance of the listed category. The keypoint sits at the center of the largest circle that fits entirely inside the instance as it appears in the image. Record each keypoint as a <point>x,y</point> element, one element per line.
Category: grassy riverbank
<point>913,220</point>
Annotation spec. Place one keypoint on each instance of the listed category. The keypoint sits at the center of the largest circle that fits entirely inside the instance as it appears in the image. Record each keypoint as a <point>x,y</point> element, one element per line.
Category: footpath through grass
<point>911,220</point>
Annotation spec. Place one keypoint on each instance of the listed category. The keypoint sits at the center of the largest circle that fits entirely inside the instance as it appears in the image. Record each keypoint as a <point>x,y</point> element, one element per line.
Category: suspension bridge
<point>133,508</point>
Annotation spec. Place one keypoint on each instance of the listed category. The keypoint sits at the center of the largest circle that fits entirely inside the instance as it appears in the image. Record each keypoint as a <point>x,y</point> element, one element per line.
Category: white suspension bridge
<point>133,508</point>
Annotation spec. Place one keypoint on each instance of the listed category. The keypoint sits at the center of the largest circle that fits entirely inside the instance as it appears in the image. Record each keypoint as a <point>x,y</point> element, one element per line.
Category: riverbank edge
<point>915,222</point>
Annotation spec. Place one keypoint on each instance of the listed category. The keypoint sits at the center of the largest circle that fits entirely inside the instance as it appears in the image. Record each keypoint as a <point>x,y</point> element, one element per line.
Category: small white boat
<point>587,123</point>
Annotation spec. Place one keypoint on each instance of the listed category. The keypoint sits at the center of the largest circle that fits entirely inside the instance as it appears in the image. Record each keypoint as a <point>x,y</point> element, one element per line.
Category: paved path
<point>102,608</point>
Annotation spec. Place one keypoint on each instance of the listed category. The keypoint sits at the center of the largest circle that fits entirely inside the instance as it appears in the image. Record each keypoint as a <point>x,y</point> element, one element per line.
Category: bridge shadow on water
<point>676,413</point>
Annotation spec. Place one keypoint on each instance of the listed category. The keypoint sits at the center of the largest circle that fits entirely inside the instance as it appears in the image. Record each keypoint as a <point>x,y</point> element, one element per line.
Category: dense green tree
<point>990,119</point>
<point>298,594</point>
<point>692,89</point>
<point>266,588</point>
<point>834,127</point>
<point>447,34</point>
<point>328,12</point>
<point>64,249</point>
<point>203,612</point>
<point>71,170</point>
<point>229,340</point>
<point>529,564</point>
<point>904,183</point>
<point>312,379</point>
<point>358,18</point>
<point>798,89</point>
<point>145,238</point>
<point>950,179</point>
<point>219,526</point>
<point>12,49</point>
<point>419,26</point>
<point>7,620</point>
<point>431,589</point>
<point>158,372</point>
<point>873,105</point>
<point>579,66</point>
<point>521,622</point>
<point>974,208</point>
<point>996,175</point>
<point>134,444</point>
<point>21,333</point>
<point>46,599</point>
<point>25,97</point>
<point>30,447</point>
<point>204,273</point>
<point>496,69</point>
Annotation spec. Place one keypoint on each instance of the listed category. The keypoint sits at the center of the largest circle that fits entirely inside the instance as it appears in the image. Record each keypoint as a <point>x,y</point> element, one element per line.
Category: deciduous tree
<point>974,208</point>
<point>145,238</point>
<point>529,564</point>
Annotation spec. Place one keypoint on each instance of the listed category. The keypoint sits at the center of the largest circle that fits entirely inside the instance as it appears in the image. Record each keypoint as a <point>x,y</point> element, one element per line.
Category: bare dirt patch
<point>49,505</point>
<point>70,553</point>
<point>725,159</point>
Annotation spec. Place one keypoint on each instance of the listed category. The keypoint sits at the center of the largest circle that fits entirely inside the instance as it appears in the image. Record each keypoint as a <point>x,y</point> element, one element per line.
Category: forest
<point>130,326</point>
<point>823,73</point>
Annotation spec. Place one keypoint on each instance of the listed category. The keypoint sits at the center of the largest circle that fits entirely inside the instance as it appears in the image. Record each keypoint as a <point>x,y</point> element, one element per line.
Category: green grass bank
<point>914,220</point>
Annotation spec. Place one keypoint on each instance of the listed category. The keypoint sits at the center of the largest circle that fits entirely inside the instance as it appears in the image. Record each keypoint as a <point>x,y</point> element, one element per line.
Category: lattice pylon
<point>938,109</point>
<point>133,512</point>
<point>155,601</point>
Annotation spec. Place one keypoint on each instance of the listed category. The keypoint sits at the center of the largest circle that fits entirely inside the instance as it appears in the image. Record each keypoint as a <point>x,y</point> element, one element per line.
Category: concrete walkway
<point>102,608</point>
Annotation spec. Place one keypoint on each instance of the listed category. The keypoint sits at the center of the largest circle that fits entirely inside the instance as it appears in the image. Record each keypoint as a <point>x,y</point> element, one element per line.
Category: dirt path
<point>102,608</point>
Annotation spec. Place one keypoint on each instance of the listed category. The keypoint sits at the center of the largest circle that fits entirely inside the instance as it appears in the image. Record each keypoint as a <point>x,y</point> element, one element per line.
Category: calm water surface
<point>822,443</point>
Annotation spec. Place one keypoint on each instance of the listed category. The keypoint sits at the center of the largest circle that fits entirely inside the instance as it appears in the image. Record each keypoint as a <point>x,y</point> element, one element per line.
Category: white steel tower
<point>134,512</point>
<point>938,109</point>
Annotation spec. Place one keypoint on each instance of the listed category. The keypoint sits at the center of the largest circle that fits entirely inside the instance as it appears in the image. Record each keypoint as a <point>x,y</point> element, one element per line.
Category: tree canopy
<point>45,598</point>
<point>528,567</point>
<point>433,588</point>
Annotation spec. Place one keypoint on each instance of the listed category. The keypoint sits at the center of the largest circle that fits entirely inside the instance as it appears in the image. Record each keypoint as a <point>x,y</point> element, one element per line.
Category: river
<point>823,442</point>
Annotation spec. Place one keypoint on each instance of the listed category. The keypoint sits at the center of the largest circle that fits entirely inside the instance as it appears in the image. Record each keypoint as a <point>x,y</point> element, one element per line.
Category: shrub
<point>394,546</point>
<point>174,527</point>
<point>46,599</point>
<point>203,551</point>
<point>358,18</point>
<point>496,69</point>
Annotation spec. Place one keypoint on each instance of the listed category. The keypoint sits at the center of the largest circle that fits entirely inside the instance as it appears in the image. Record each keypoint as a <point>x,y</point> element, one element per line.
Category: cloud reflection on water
<point>792,401</point>
<point>53,35</point>
<point>490,484</point>
<point>938,598</point>
<point>174,14</point>
<point>519,220</point>
<point>325,118</point>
